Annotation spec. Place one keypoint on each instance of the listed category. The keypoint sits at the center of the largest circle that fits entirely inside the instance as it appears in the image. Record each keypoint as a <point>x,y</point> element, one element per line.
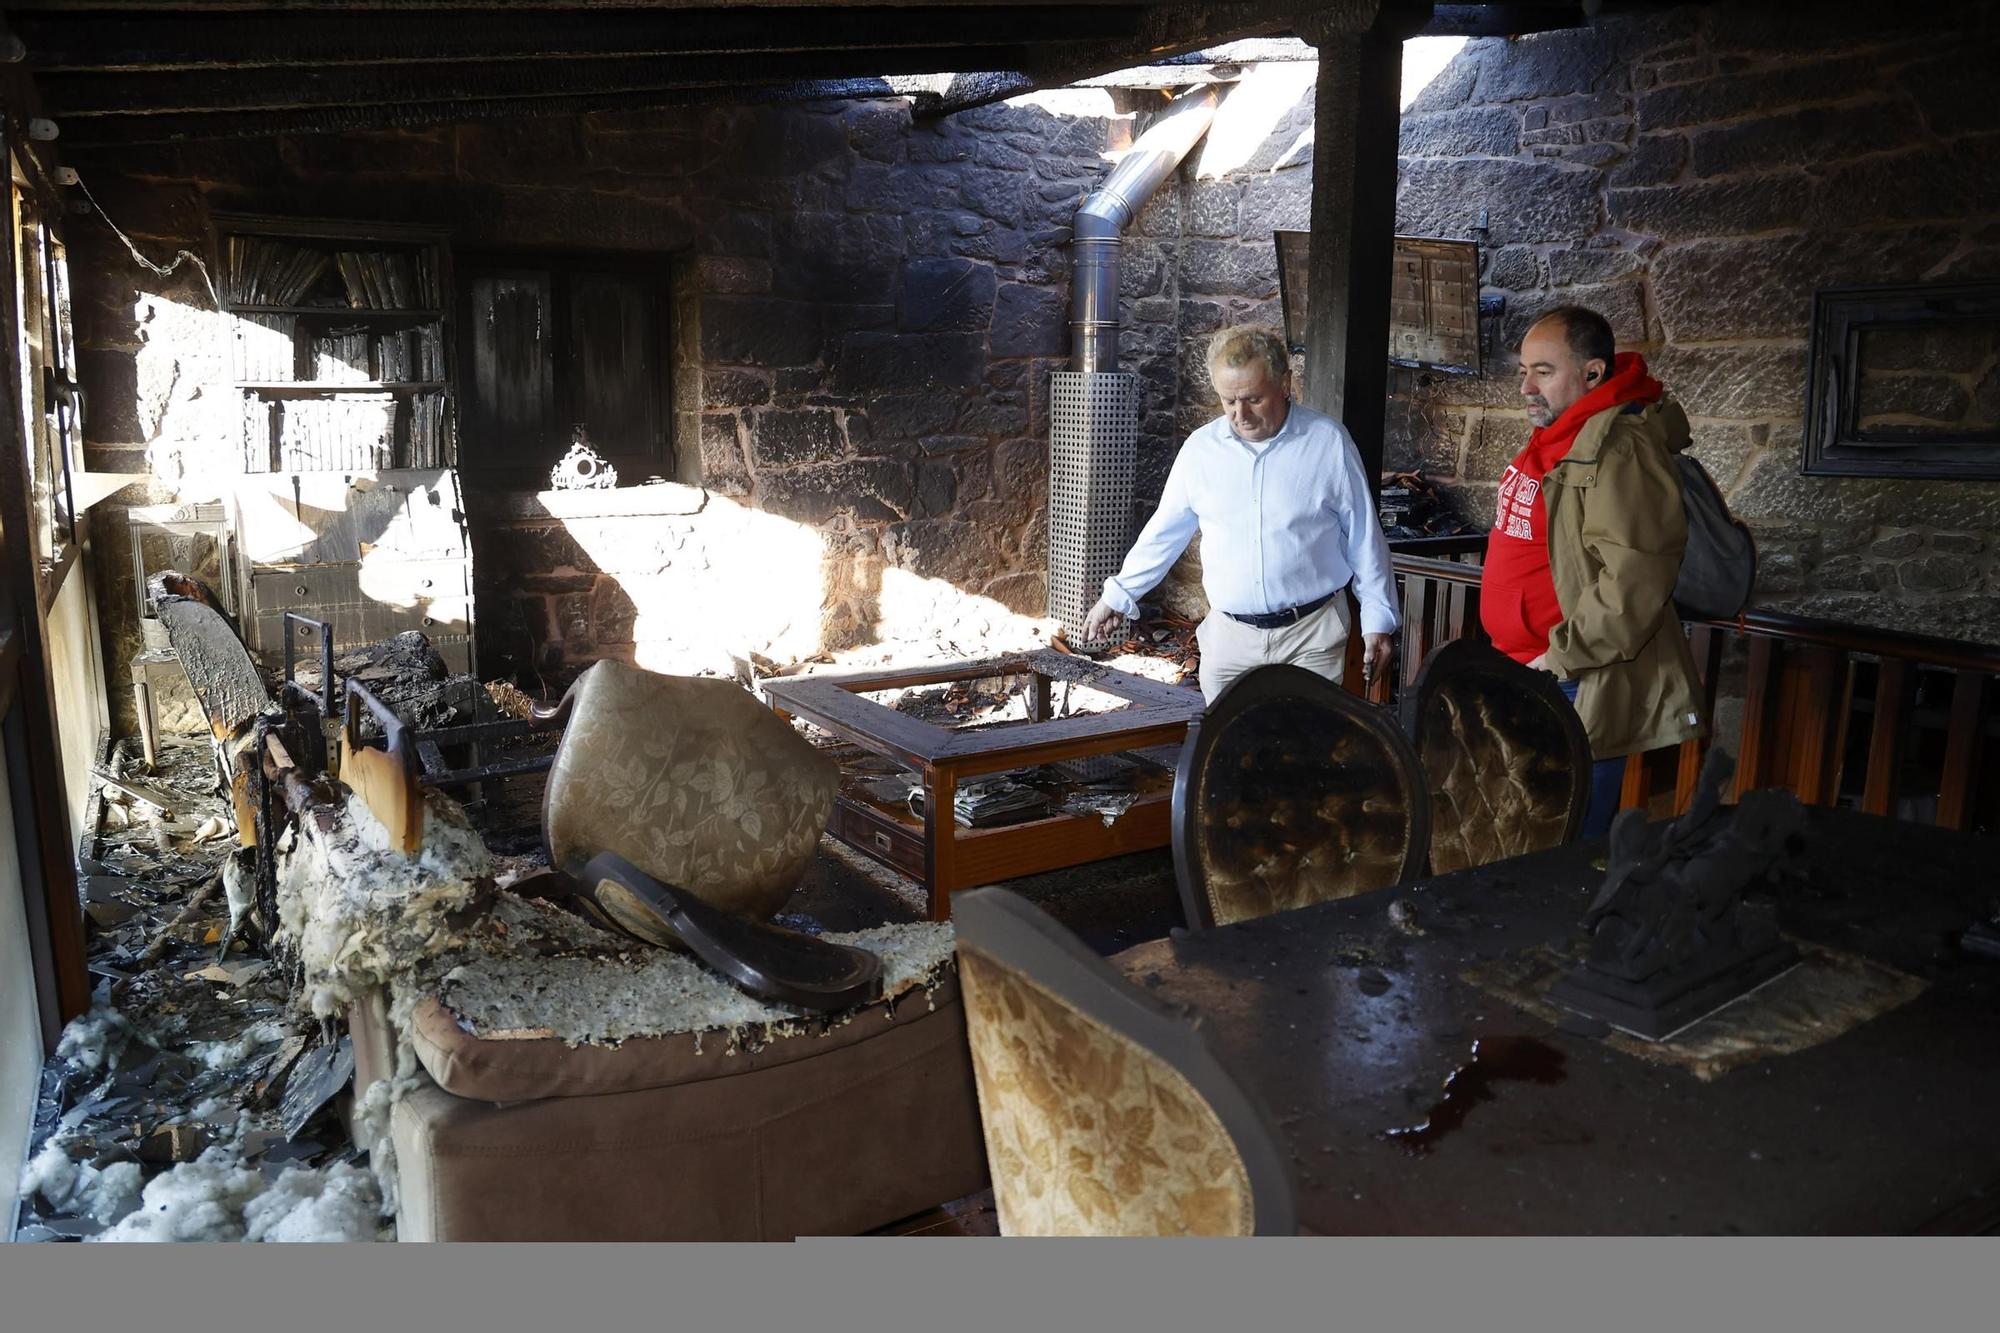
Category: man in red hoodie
<point>1587,538</point>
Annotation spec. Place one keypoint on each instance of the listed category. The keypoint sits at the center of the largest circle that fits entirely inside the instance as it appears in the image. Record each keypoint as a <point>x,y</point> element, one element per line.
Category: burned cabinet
<point>372,553</point>
<point>341,343</point>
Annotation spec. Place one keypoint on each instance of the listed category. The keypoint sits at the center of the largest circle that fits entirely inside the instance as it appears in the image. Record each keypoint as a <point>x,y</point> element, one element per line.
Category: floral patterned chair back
<point>1291,791</point>
<point>1504,754</point>
<point>693,781</point>
<point>1105,1113</point>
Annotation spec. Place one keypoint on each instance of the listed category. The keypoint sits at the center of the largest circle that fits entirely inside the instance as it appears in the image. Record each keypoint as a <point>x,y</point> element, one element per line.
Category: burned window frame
<point>1834,443</point>
<point>50,399</point>
<point>654,276</point>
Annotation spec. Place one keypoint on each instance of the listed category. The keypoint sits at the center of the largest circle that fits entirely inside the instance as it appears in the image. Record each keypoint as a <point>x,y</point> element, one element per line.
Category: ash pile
<point>1412,505</point>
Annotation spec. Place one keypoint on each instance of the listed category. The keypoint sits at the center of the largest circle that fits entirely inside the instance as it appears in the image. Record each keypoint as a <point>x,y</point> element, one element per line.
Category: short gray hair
<point>1242,344</point>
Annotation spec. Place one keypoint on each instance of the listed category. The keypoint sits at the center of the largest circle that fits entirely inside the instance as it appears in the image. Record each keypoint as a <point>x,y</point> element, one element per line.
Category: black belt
<point>1291,615</point>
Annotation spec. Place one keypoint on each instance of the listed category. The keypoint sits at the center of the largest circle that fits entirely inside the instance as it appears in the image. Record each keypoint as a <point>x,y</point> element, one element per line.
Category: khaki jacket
<point>1616,532</point>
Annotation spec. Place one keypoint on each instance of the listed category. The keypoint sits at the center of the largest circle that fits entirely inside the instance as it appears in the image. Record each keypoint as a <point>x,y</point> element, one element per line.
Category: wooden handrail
<point>1956,654</point>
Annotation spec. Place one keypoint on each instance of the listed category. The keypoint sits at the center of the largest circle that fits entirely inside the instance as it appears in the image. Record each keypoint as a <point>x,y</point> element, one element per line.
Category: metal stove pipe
<point>1104,214</point>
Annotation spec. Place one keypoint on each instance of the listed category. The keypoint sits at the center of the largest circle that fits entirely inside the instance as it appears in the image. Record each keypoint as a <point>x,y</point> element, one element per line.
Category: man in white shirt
<point>1287,518</point>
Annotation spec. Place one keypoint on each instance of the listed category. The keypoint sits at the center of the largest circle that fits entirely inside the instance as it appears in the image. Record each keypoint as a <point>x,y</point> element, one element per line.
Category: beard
<point>1539,411</point>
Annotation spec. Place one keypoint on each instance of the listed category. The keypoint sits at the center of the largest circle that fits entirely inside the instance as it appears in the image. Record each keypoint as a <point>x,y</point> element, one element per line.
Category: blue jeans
<point>1607,783</point>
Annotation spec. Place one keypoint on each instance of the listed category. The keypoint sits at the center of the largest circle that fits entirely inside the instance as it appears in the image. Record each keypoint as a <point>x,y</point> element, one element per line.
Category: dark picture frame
<point>1837,443</point>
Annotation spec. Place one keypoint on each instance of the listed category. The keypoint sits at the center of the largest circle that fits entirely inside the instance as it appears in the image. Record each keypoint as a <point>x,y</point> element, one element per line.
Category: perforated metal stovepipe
<point>1094,408</point>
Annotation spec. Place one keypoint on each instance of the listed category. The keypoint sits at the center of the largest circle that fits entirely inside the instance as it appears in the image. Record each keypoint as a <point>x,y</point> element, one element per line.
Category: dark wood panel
<point>1964,749</point>
<point>507,394</point>
<point>1895,691</point>
<point>617,375</point>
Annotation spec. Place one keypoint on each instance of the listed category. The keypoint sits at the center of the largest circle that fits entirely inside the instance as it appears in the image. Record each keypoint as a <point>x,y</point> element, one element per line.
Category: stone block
<point>1754,380</point>
<point>759,331</point>
<point>1846,573</point>
<point>1813,138</point>
<point>823,256</point>
<point>996,414</point>
<point>1938,573</point>
<point>1653,159</point>
<point>1515,267</point>
<point>1161,217</point>
<point>1526,202</point>
<point>875,129</point>
<point>1214,208</point>
<point>733,388</point>
<point>1960,543</point>
<point>1772,490</point>
<point>1453,84</point>
<point>1591,264</point>
<point>1228,268</point>
<point>893,423</point>
<point>1486,131</point>
<point>873,490</point>
<point>1278,201</point>
<point>1029,321</point>
<point>871,361</point>
<point>999,245</point>
<point>1761,287</point>
<point>1955,91</point>
<point>1545,64</point>
<point>1730,208</point>
<point>1727,97</point>
<point>1896,545</point>
<point>944,295</point>
<point>1498,437</point>
<point>723,469</point>
<point>937,490</point>
<point>1000,195</point>
<point>731,276</point>
<point>781,438</point>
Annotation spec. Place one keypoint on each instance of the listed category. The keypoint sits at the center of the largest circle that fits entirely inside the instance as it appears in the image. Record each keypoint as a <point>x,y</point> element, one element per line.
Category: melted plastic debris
<point>533,969</point>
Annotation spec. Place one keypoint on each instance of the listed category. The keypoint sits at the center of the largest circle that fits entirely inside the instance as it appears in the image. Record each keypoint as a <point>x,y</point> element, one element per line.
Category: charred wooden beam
<point>118,131</point>
<point>211,41</point>
<point>78,96</point>
<point>1356,117</point>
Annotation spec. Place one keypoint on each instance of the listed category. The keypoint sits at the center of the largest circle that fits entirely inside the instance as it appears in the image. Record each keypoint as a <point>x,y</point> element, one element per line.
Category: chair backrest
<point>1504,753</point>
<point>691,780</point>
<point>1105,1113</point>
<point>1291,791</point>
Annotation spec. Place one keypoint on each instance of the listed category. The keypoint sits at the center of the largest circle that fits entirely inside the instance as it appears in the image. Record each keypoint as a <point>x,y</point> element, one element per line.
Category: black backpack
<point>1720,565</point>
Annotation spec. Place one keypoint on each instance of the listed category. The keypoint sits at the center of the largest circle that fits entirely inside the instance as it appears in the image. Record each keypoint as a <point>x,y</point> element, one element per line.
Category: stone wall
<point>1695,176</point>
<point>867,309</point>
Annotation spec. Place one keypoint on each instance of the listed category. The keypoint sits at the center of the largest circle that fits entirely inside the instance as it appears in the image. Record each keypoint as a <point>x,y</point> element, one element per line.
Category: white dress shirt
<point>1282,523</point>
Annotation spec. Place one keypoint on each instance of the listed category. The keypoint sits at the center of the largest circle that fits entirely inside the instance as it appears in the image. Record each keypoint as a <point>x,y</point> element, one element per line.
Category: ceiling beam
<point>81,96</point>
<point>211,41</point>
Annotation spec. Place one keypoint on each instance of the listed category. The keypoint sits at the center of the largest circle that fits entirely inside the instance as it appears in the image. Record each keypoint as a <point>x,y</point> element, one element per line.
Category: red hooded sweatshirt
<point>1517,602</point>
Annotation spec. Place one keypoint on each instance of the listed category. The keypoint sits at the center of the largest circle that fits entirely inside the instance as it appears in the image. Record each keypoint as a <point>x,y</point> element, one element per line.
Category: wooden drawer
<point>868,830</point>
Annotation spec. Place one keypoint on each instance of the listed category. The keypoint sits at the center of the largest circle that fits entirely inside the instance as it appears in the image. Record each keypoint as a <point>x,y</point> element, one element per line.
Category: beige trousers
<point>1229,647</point>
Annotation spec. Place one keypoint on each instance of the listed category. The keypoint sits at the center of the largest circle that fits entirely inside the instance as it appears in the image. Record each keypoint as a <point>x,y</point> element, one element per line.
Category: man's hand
<point>1103,618</point>
<point>1376,653</point>
<point>1542,664</point>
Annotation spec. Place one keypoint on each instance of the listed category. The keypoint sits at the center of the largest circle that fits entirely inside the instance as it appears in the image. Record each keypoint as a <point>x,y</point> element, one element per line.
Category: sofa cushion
<point>527,1065</point>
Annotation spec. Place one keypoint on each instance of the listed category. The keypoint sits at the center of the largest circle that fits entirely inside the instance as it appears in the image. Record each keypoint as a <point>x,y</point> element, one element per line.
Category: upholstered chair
<point>691,781</point>
<point>1505,756</point>
<point>1105,1113</point>
<point>1291,791</point>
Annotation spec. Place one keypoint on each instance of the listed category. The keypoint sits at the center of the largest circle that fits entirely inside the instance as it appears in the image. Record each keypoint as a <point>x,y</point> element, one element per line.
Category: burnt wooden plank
<point>507,366</point>
<point>1822,706</point>
<point>1760,693</point>
<point>1965,746</point>
<point>1895,691</point>
<point>1418,639</point>
<point>1635,789</point>
<point>996,749</point>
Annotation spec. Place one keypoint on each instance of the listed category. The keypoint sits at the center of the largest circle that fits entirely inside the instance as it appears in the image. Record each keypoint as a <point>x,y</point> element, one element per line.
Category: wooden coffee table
<point>945,857</point>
